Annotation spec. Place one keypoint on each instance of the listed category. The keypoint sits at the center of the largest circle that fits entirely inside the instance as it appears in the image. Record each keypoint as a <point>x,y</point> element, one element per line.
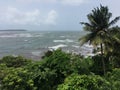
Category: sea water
<point>33,44</point>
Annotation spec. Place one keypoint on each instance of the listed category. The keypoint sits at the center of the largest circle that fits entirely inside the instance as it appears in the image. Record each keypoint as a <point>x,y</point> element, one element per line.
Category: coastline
<point>33,45</point>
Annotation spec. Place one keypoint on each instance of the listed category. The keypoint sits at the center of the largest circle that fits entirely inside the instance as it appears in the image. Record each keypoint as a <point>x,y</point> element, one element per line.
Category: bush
<point>67,64</point>
<point>12,61</point>
<point>114,78</point>
<point>84,82</point>
<point>18,79</point>
<point>53,69</point>
<point>44,78</point>
<point>97,67</point>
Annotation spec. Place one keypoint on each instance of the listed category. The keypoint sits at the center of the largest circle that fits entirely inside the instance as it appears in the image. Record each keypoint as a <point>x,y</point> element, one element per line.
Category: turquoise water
<point>33,44</point>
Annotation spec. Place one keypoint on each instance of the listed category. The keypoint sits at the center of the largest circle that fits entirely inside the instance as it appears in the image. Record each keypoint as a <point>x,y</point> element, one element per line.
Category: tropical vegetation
<point>100,32</point>
<point>58,70</point>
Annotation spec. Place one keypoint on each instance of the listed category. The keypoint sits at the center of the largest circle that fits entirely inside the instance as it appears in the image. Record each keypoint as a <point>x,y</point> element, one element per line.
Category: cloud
<point>72,2</point>
<point>65,2</point>
<point>35,17</point>
<point>31,1</point>
<point>52,15</point>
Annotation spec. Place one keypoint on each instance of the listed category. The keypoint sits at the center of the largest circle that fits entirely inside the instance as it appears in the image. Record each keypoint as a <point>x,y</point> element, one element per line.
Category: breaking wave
<point>66,40</point>
<point>57,46</point>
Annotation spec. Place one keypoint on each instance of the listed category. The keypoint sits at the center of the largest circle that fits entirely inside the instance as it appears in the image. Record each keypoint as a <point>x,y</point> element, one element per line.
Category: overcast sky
<point>50,14</point>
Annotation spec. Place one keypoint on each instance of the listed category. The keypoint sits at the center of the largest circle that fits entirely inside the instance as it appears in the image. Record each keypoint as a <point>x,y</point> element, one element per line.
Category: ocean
<point>33,44</point>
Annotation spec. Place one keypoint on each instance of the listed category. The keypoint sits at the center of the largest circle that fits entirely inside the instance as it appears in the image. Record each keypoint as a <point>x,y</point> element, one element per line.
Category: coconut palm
<point>98,27</point>
<point>113,53</point>
<point>114,34</point>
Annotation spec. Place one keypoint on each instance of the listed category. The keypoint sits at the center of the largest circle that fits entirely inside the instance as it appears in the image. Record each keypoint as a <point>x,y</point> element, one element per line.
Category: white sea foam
<point>58,40</point>
<point>75,46</point>
<point>87,45</point>
<point>66,40</point>
<point>16,35</point>
<point>90,54</point>
<point>20,35</point>
<point>62,36</point>
<point>25,40</point>
<point>36,53</point>
<point>57,46</point>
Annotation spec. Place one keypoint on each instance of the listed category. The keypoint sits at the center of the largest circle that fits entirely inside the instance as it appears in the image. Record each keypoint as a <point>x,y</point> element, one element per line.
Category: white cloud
<point>15,16</point>
<point>72,2</point>
<point>31,1</point>
<point>65,2</point>
<point>52,15</point>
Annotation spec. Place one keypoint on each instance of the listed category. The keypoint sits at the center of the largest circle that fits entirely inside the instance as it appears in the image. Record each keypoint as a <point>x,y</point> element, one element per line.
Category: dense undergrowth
<point>57,71</point>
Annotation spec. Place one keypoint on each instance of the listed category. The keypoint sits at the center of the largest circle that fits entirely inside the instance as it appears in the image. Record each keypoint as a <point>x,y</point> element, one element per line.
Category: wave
<point>26,40</point>
<point>66,40</point>
<point>57,46</point>
<point>88,46</point>
<point>36,53</point>
<point>62,36</point>
<point>20,35</point>
<point>75,46</point>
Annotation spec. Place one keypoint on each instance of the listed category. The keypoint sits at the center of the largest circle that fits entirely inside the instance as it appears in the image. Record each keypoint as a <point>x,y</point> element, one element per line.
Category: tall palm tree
<point>98,27</point>
<point>114,34</point>
<point>113,53</point>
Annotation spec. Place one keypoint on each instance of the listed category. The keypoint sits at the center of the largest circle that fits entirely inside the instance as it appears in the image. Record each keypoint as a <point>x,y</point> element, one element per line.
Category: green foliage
<point>3,71</point>
<point>53,69</point>
<point>64,71</point>
<point>12,61</point>
<point>97,65</point>
<point>13,76</point>
<point>114,48</point>
<point>99,30</point>
<point>57,71</point>
<point>66,63</point>
<point>45,80</point>
<point>43,77</point>
<point>84,82</point>
<point>114,78</point>
<point>80,65</point>
<point>17,79</point>
<point>47,54</point>
<point>98,26</point>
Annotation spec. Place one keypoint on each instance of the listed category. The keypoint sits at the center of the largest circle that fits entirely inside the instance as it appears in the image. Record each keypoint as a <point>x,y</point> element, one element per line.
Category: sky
<point>50,15</point>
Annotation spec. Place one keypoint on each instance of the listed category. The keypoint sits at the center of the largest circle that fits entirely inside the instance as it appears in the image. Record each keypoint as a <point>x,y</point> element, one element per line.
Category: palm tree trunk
<point>103,62</point>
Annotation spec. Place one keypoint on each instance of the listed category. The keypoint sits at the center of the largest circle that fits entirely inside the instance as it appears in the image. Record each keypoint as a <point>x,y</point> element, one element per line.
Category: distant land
<point>13,30</point>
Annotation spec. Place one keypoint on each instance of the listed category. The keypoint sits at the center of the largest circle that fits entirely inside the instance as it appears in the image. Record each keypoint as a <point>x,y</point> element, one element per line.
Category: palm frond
<point>114,21</point>
<point>87,26</point>
<point>85,39</point>
<point>114,31</point>
<point>99,27</point>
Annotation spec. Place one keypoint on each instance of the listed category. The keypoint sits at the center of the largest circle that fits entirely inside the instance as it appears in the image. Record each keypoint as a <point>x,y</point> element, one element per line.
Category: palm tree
<point>113,53</point>
<point>98,27</point>
<point>114,34</point>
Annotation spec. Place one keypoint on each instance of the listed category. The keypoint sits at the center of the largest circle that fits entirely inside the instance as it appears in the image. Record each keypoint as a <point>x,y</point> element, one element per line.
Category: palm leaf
<point>114,21</point>
<point>85,39</point>
<point>99,29</point>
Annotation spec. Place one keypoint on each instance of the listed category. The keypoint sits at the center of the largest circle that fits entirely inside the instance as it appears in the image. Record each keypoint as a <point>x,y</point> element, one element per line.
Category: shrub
<point>114,78</point>
<point>17,79</point>
<point>97,67</point>
<point>84,82</point>
<point>53,69</point>
<point>12,61</point>
<point>67,64</point>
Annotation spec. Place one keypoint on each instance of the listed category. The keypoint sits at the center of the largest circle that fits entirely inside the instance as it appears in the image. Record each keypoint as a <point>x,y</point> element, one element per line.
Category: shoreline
<point>36,55</point>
